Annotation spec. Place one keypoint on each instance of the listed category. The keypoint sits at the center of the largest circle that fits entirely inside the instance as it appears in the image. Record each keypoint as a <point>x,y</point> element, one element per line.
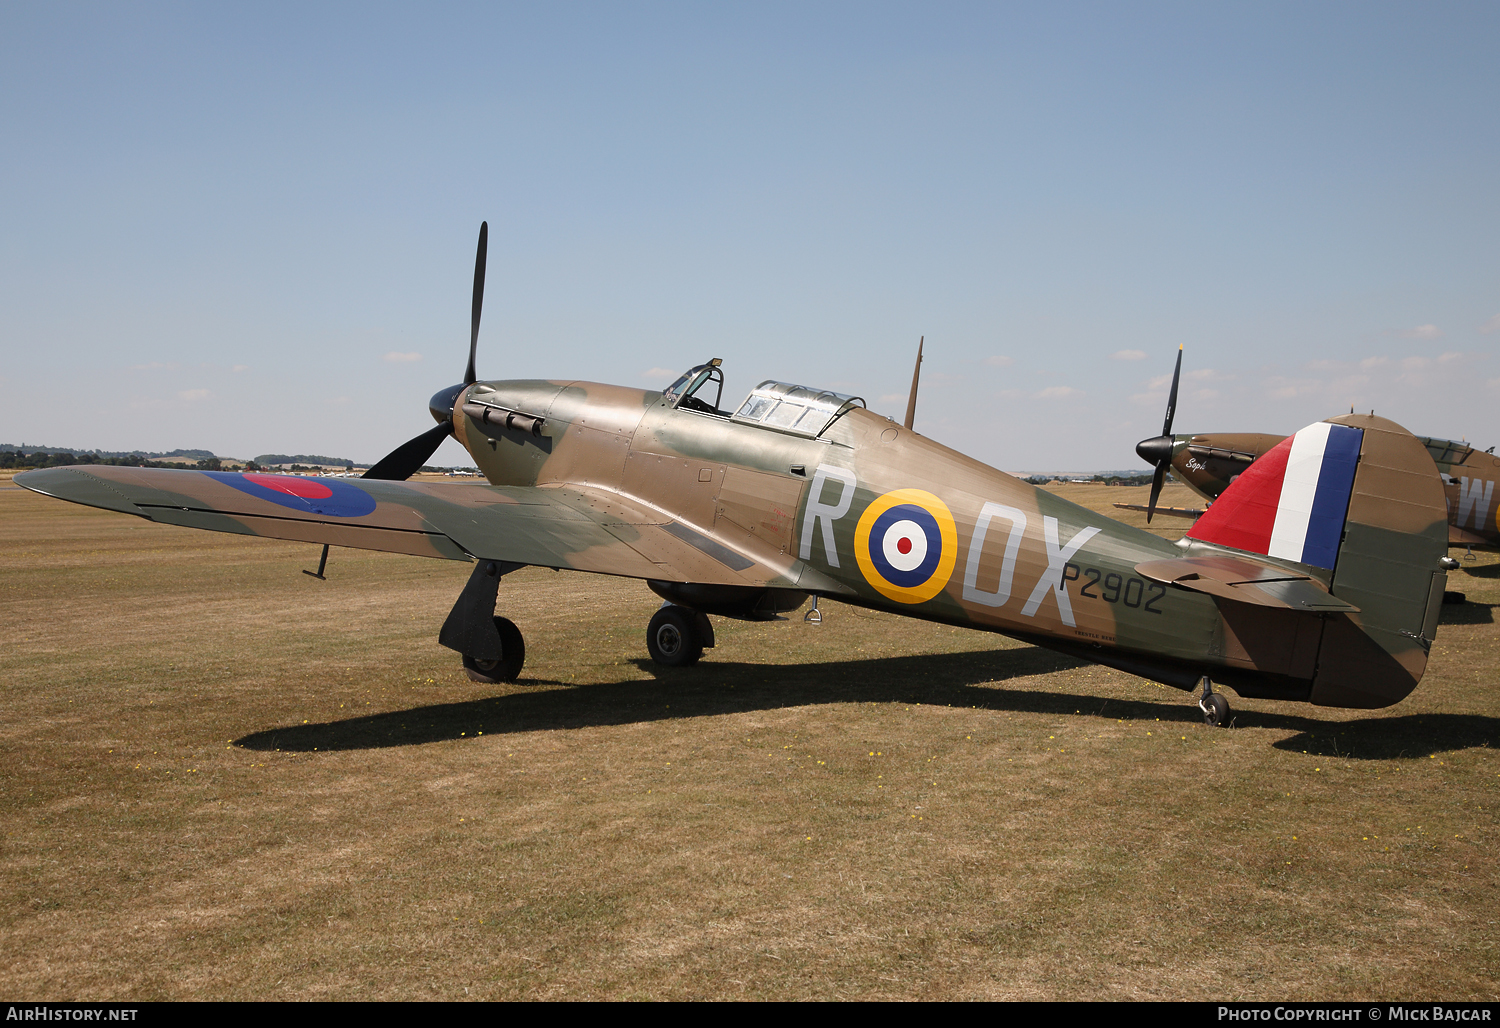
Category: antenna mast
<point>916,373</point>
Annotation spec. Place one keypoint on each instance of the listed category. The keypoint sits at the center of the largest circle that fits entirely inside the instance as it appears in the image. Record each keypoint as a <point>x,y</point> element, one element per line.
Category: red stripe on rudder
<point>1245,513</point>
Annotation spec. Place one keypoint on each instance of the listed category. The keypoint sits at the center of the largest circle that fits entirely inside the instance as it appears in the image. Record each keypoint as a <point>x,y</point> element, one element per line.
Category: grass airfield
<point>223,779</point>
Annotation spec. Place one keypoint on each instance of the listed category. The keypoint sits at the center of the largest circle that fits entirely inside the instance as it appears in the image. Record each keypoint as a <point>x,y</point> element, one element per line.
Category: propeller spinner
<point>408,458</point>
<point>1158,450</point>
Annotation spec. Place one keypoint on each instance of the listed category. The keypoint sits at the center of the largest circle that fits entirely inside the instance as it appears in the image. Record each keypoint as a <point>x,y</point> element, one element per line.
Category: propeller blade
<point>1158,451</point>
<point>1166,428</point>
<point>479,258</point>
<point>1156,484</point>
<point>407,459</point>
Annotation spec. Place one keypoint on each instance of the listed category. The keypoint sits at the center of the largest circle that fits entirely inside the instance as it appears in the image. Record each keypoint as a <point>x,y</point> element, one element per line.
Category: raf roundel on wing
<point>328,496</point>
<point>906,545</point>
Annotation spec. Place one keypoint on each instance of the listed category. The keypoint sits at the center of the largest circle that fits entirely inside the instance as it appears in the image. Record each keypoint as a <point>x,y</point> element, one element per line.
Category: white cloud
<point>999,362</point>
<point>892,398</point>
<point>194,394</point>
<point>667,373</point>
<point>1058,392</point>
<point>1493,325</point>
<point>1423,332</point>
<point>401,358</point>
<point>1128,355</point>
<point>1371,363</point>
<point>153,366</point>
<point>1282,388</point>
<point>240,367</point>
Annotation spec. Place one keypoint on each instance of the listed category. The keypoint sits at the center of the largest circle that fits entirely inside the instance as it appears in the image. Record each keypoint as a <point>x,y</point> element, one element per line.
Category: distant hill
<point>302,458</point>
<point>28,448</point>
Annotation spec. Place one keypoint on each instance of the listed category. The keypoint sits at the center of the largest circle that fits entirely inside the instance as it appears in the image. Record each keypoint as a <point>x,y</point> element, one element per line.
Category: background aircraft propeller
<point>1158,451</point>
<point>407,459</point>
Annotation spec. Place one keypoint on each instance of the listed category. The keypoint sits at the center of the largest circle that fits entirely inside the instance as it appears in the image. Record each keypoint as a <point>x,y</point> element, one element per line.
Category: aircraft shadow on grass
<point>1469,613</point>
<point>952,679</point>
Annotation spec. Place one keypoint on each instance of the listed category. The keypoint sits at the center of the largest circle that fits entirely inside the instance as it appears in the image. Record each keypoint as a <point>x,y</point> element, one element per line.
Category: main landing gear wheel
<point>512,657</point>
<point>672,637</point>
<point>1215,710</point>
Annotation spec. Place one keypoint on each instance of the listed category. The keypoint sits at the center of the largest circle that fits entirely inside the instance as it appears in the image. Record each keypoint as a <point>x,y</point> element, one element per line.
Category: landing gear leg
<point>1214,706</point>
<point>492,647</point>
<point>676,635</point>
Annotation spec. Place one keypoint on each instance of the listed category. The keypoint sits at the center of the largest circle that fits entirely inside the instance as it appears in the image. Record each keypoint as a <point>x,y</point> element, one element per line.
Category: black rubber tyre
<point>1215,710</point>
<point>672,638</point>
<point>512,657</point>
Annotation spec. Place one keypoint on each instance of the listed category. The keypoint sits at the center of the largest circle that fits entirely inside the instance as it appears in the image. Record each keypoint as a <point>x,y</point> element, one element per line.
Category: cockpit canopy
<point>779,405</point>
<point>793,408</point>
<point>704,378</point>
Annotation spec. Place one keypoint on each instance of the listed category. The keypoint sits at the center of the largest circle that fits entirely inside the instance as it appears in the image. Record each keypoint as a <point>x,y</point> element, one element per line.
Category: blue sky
<point>251,228</point>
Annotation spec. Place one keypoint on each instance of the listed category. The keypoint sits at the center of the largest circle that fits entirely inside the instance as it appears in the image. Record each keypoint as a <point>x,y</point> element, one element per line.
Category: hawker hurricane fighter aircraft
<point>1326,591</point>
<point>1207,464</point>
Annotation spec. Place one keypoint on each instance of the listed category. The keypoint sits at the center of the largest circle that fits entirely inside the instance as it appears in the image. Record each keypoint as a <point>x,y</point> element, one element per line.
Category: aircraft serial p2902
<point>1322,584</point>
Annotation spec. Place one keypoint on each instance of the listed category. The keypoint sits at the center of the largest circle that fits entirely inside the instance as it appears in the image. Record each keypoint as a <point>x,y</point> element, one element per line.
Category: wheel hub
<point>669,639</point>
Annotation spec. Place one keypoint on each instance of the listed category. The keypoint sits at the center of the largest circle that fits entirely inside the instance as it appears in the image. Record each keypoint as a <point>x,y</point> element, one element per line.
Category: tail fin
<point>1357,502</point>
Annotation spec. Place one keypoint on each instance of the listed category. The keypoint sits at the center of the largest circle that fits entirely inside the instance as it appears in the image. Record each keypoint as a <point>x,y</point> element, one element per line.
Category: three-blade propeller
<point>407,459</point>
<point>1158,450</point>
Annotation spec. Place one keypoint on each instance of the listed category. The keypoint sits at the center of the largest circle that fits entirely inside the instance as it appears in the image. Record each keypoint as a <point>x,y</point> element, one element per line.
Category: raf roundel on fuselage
<point>907,545</point>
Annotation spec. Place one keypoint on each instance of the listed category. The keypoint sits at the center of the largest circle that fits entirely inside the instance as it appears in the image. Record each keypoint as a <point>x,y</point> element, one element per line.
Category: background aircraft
<point>1318,580</point>
<point>1207,464</point>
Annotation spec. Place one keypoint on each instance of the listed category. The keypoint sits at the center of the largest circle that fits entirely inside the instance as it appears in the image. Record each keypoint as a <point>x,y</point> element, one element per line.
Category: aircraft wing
<point>1176,512</point>
<point>574,528</point>
<point>1463,537</point>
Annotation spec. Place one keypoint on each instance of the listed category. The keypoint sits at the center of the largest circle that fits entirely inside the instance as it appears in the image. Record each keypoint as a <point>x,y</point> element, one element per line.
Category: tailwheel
<point>673,638</point>
<point>505,668</point>
<point>1215,710</point>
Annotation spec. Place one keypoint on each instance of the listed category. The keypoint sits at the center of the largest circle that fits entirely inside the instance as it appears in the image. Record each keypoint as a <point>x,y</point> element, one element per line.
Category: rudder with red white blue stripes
<point>1292,502</point>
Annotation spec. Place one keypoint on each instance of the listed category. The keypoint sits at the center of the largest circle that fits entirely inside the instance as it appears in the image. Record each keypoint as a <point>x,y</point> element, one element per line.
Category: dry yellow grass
<point>222,779</point>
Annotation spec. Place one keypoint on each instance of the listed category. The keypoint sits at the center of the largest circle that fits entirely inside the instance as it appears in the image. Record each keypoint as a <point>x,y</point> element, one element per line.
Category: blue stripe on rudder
<point>1325,526</point>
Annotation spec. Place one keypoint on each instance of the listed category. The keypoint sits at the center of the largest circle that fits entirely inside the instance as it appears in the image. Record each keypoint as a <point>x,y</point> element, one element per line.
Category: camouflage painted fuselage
<point>829,515</point>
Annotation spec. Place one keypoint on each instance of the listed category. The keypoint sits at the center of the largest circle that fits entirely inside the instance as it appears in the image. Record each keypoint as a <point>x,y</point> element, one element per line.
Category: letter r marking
<point>825,514</point>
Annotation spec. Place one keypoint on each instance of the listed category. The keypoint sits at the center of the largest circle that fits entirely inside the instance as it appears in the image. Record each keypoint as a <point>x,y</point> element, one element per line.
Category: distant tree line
<point>20,459</point>
<point>1128,479</point>
<point>302,458</point>
<point>1096,479</point>
<point>145,454</point>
